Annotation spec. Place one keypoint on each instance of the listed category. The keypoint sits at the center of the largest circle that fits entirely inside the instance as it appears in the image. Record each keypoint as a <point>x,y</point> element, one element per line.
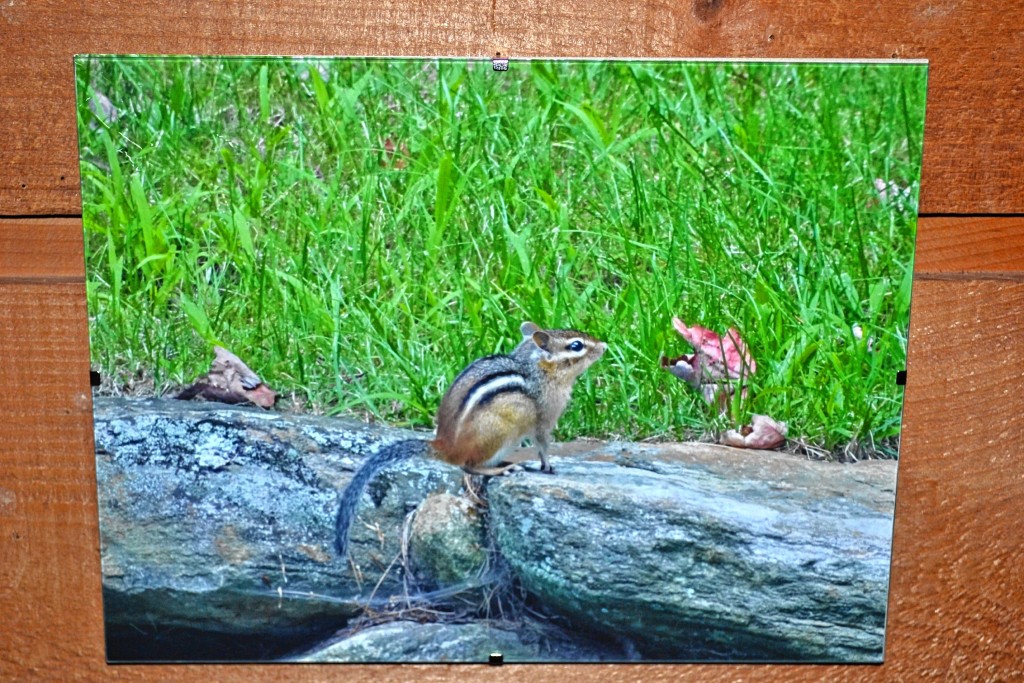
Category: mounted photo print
<point>453,360</point>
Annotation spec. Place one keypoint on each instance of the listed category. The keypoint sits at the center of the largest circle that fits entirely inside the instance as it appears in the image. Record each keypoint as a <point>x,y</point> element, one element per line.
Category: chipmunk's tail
<point>396,452</point>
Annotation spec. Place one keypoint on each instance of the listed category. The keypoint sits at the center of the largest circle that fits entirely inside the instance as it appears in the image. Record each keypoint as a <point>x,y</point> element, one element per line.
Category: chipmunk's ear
<point>527,329</point>
<point>542,339</point>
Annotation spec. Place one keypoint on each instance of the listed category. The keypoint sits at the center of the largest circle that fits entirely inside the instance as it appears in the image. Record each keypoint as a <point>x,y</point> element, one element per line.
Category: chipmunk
<point>492,405</point>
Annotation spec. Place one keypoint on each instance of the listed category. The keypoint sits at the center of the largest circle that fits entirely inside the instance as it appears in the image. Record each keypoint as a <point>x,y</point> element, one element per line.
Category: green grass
<point>360,230</point>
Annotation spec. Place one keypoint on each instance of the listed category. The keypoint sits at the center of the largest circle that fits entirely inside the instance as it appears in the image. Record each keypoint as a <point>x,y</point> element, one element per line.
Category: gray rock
<point>407,641</point>
<point>219,519</point>
<point>698,551</point>
<point>449,543</point>
<point>222,517</point>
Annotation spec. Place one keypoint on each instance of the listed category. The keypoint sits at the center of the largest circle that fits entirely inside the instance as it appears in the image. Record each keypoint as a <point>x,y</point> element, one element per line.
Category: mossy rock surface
<point>449,543</point>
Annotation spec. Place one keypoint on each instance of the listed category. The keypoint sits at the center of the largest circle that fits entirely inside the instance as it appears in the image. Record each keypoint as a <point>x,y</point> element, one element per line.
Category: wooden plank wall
<point>957,601</point>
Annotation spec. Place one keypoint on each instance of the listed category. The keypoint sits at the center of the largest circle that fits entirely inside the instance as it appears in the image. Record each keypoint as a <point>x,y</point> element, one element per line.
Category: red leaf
<point>717,357</point>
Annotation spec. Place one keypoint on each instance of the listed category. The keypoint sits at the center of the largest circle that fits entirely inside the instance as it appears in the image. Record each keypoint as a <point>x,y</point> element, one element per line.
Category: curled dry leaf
<point>718,357</point>
<point>684,367</point>
<point>100,105</point>
<point>394,155</point>
<point>714,364</point>
<point>230,381</point>
<point>763,432</point>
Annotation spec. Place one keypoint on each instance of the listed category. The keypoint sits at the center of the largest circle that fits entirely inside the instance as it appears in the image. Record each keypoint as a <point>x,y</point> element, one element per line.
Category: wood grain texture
<point>957,600</point>
<point>973,144</point>
<point>979,246</point>
<point>48,250</point>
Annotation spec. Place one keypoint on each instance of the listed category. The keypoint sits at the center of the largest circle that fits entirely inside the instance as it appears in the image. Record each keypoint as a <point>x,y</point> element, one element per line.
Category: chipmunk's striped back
<point>500,400</point>
<point>485,390</point>
<point>492,405</point>
<point>490,408</point>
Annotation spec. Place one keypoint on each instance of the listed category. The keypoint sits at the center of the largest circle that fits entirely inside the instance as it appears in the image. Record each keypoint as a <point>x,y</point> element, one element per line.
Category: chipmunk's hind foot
<point>499,471</point>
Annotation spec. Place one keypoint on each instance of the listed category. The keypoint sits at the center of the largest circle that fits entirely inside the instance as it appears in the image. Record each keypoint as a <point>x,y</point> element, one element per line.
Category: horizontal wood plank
<point>41,250</point>
<point>973,149</point>
<point>957,600</point>
<point>972,246</point>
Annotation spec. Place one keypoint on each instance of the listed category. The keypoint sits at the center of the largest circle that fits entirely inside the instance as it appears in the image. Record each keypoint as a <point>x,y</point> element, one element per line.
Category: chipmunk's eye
<point>576,345</point>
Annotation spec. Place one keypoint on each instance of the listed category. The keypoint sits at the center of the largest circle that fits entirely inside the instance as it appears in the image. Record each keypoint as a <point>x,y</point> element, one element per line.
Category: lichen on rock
<point>448,544</point>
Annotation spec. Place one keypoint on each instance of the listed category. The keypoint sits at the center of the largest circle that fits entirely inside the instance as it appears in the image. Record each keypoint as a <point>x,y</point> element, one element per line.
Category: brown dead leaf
<point>394,154</point>
<point>100,105</point>
<point>230,381</point>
